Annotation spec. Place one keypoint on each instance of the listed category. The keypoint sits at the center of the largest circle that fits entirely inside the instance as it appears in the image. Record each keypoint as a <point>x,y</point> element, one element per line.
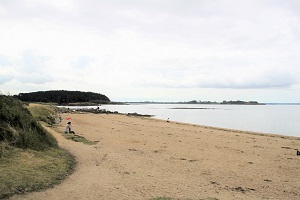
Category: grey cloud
<point>34,78</point>
<point>30,68</point>
<point>82,62</point>
<point>5,78</point>
<point>195,22</point>
<point>207,44</point>
<point>30,10</point>
<point>240,80</point>
<point>219,74</point>
<point>4,60</point>
<point>33,61</point>
<point>5,73</point>
<point>220,83</point>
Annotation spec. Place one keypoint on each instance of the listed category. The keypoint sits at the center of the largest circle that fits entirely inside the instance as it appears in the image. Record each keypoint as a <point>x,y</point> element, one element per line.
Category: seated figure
<point>68,128</point>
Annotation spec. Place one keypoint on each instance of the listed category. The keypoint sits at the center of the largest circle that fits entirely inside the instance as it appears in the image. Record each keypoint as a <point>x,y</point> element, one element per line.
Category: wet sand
<point>143,158</point>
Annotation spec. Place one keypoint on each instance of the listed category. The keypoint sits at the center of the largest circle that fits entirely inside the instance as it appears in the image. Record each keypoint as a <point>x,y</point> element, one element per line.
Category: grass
<point>24,171</point>
<point>42,113</point>
<point>46,113</point>
<point>78,138</point>
<point>30,158</point>
<point>18,128</point>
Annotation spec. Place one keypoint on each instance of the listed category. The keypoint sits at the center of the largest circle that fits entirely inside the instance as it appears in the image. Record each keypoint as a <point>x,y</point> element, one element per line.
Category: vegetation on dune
<point>42,113</point>
<point>46,113</point>
<point>28,170</point>
<point>30,159</point>
<point>19,129</point>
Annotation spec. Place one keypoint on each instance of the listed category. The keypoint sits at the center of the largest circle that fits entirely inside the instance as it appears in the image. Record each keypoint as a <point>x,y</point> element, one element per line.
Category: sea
<point>270,118</point>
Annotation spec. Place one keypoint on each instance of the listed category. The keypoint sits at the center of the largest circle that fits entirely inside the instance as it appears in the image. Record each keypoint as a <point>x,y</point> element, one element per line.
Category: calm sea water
<point>274,119</point>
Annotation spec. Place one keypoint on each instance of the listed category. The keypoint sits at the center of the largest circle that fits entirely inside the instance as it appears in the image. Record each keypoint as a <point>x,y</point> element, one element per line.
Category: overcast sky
<point>153,50</point>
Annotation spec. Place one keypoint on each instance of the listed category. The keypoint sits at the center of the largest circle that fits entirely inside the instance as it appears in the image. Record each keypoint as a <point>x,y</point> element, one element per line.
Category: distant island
<point>237,102</point>
<point>64,97</point>
<point>242,102</point>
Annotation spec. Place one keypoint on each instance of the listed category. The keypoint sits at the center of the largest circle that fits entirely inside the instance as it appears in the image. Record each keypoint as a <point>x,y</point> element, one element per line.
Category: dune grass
<point>42,113</point>
<point>24,171</point>
<point>46,113</point>
<point>30,158</point>
<point>18,128</point>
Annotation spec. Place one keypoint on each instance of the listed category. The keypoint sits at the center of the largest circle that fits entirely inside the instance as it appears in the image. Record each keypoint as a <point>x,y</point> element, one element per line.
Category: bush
<point>18,127</point>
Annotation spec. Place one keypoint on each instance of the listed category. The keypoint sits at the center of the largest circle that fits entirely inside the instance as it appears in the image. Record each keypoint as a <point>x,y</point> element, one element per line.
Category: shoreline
<point>274,135</point>
<point>204,126</point>
<point>236,130</point>
<point>221,117</point>
<point>143,158</point>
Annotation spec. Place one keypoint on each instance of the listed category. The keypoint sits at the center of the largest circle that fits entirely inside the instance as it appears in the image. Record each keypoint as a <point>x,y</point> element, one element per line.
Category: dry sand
<point>143,158</point>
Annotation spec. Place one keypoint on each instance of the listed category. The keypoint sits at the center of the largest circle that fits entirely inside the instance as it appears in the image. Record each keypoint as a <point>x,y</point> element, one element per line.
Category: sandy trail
<point>142,158</point>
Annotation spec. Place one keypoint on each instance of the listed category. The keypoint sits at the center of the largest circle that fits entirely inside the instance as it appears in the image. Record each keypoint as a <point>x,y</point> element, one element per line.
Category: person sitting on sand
<point>68,128</point>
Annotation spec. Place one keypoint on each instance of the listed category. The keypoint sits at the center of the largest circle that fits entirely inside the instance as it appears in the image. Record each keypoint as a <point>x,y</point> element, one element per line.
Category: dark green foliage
<point>63,97</point>
<point>238,102</point>
<point>18,127</point>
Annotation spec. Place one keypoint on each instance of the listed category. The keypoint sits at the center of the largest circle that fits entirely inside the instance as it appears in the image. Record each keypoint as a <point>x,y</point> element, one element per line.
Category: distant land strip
<point>238,102</point>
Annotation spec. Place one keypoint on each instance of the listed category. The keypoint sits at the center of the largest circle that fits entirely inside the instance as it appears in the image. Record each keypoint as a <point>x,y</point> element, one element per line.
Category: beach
<point>143,158</point>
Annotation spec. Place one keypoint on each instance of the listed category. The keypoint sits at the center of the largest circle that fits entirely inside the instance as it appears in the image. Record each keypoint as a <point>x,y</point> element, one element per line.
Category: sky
<point>153,50</point>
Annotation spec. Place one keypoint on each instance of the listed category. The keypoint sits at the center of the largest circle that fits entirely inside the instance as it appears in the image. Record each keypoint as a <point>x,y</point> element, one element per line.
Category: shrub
<point>18,127</point>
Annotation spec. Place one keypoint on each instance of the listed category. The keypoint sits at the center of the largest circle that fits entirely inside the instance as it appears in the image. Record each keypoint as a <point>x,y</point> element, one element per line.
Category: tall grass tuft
<point>30,159</point>
<point>42,113</point>
<point>18,128</point>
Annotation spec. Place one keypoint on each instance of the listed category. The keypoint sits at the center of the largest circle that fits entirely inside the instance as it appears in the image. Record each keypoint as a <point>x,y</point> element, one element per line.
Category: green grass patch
<point>78,138</point>
<point>27,170</point>
<point>43,113</point>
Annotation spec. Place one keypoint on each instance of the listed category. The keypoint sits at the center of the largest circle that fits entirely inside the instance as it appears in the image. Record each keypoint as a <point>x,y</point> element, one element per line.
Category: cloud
<point>239,78</point>
<point>29,68</point>
<point>82,61</point>
<point>6,71</point>
<point>34,78</point>
<point>168,44</point>
<point>5,78</point>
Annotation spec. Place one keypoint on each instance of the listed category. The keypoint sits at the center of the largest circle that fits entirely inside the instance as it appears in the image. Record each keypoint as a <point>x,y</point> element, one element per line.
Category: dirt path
<point>140,158</point>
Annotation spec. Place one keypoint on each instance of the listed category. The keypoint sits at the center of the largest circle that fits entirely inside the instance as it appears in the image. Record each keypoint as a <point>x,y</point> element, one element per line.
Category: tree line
<point>63,97</point>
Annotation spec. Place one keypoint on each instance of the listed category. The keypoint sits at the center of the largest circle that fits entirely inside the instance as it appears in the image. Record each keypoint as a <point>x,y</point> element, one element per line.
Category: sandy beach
<point>143,158</point>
